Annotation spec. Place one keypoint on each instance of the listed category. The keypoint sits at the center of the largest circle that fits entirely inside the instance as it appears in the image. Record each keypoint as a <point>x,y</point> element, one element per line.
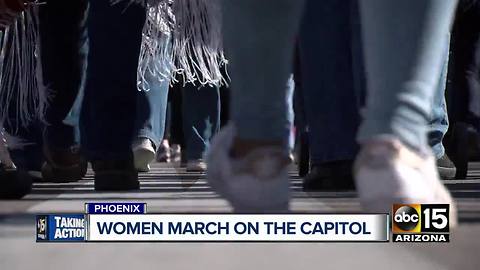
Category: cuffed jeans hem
<point>151,136</point>
<point>413,136</point>
<point>438,150</point>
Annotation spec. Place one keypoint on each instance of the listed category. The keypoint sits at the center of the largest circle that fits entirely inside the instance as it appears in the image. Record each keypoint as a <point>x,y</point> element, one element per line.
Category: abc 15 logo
<point>41,227</point>
<point>420,218</point>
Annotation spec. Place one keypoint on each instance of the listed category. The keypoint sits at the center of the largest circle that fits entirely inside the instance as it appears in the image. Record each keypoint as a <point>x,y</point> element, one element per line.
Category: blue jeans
<point>439,117</point>
<point>331,77</point>
<point>259,52</point>
<point>64,51</point>
<point>330,35</point>
<point>152,110</point>
<point>401,83</point>
<point>108,108</point>
<point>201,118</point>
<point>108,116</point>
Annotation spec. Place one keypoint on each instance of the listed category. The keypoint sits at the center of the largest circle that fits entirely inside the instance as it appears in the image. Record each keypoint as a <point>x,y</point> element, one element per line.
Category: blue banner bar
<point>115,208</point>
<point>60,228</point>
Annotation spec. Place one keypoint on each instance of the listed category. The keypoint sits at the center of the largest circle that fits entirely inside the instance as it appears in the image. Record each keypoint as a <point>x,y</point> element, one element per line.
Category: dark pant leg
<point>201,118</point>
<point>330,78</point>
<point>109,105</point>
<point>464,69</point>
<point>64,49</point>
<point>224,101</point>
<point>176,117</point>
<point>225,105</point>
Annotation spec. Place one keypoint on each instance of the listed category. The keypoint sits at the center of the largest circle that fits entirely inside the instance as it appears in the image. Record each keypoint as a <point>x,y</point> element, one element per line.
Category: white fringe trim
<point>196,54</point>
<point>196,51</point>
<point>21,80</point>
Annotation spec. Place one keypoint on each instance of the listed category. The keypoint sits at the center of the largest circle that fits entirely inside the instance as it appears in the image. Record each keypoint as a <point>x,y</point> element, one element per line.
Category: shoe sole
<point>142,158</point>
<point>447,173</point>
<point>143,170</point>
<point>199,170</point>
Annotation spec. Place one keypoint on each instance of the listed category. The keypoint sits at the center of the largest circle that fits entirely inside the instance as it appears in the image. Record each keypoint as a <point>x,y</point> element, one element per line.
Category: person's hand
<point>9,10</point>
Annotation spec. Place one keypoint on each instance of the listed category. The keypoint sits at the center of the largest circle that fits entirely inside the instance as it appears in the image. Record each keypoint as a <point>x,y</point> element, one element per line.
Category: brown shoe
<point>63,165</point>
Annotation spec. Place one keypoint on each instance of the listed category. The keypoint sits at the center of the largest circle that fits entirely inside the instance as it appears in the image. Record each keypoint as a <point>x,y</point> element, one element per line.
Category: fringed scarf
<point>196,54</point>
<point>22,94</point>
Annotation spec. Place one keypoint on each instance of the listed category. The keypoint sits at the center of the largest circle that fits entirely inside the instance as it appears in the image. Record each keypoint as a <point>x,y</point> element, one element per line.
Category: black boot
<point>463,141</point>
<point>115,175</point>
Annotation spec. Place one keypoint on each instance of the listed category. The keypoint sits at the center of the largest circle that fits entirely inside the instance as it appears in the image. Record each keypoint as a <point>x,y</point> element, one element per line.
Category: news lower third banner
<point>230,227</point>
<point>129,222</point>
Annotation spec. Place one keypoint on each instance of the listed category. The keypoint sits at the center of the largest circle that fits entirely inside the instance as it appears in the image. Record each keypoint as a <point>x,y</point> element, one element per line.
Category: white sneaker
<point>257,183</point>
<point>143,154</point>
<point>387,172</point>
<point>196,166</point>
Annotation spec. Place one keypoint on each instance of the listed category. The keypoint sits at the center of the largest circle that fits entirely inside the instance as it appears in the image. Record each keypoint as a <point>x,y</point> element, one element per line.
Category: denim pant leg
<point>73,117</point>
<point>259,40</point>
<point>201,118</point>
<point>109,106</point>
<point>152,104</point>
<point>64,49</point>
<point>439,116</point>
<point>328,79</point>
<point>404,44</point>
<point>152,110</point>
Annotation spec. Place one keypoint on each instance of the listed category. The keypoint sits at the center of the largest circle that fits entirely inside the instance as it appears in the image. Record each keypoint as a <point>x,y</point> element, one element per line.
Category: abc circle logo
<point>406,218</point>
<point>41,225</point>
